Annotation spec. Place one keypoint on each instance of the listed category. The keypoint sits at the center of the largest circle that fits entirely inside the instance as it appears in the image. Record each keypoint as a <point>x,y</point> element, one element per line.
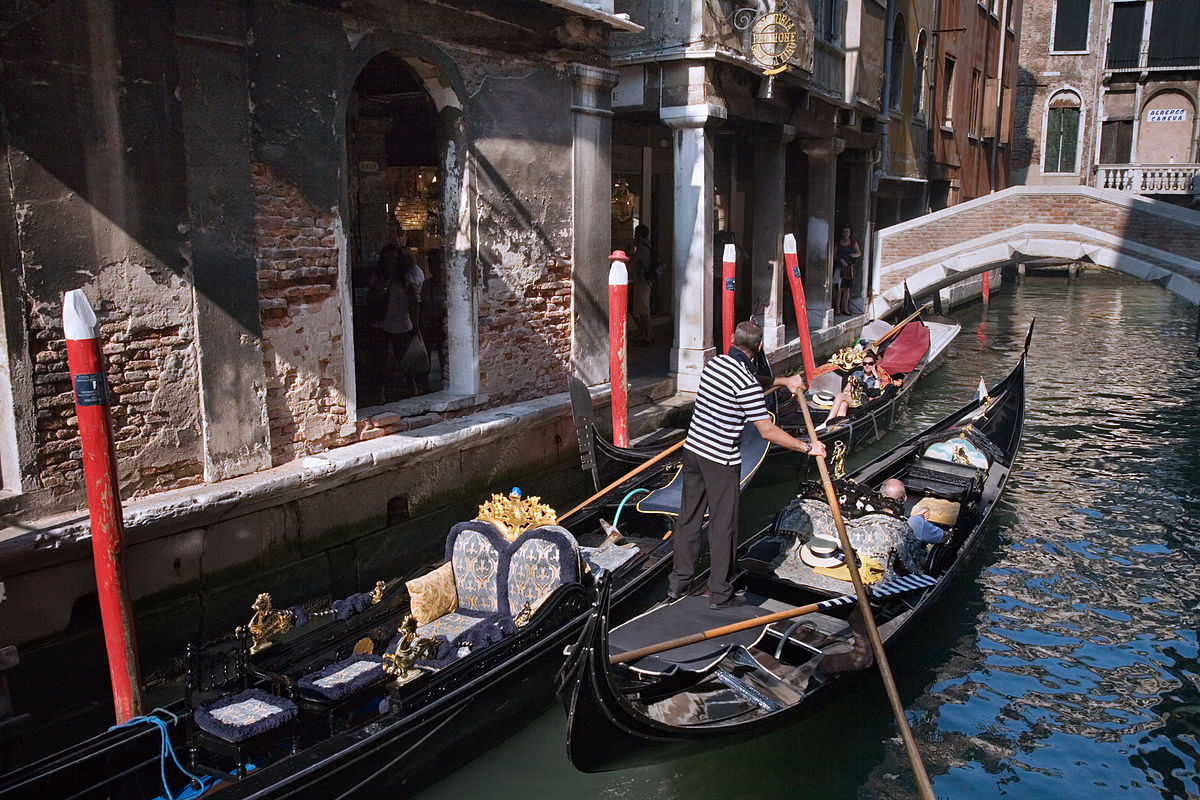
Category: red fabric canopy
<point>906,350</point>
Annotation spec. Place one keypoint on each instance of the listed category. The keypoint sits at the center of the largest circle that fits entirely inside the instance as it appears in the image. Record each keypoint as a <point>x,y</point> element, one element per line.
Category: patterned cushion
<point>343,678</point>
<point>245,714</point>
<point>432,595</point>
<point>476,562</point>
<point>450,627</point>
<point>542,560</point>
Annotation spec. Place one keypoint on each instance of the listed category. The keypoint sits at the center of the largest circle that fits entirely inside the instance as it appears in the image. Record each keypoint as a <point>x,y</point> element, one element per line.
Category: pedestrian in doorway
<point>644,273</point>
<point>845,257</point>
<point>400,279</point>
<point>729,396</point>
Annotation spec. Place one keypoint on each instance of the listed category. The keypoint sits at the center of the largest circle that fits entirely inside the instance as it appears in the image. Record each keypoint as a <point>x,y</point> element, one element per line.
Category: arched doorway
<point>394,244</point>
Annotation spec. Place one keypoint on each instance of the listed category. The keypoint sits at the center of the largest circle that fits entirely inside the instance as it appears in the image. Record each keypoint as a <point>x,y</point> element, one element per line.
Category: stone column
<point>693,256</point>
<point>767,281</point>
<point>216,126</point>
<point>822,207</point>
<point>591,210</point>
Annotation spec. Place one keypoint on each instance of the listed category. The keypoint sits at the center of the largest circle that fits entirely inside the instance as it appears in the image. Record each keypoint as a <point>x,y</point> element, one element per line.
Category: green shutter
<point>1070,137</point>
<point>1053,138</point>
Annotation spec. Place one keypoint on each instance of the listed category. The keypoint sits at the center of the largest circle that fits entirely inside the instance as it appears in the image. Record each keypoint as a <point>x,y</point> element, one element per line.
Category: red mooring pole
<point>728,285</point>
<point>104,502</point>
<point>985,288</point>
<point>618,299</point>
<point>792,263</point>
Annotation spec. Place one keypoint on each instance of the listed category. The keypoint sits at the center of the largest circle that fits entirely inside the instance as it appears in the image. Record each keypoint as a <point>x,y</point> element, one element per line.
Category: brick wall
<point>297,261</point>
<point>155,417</point>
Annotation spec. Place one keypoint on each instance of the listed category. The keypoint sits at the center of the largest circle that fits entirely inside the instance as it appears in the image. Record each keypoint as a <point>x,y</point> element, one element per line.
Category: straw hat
<point>822,550</point>
<point>823,399</point>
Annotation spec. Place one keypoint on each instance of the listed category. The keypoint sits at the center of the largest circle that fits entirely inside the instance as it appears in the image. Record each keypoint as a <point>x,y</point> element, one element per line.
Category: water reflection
<point>1063,660</point>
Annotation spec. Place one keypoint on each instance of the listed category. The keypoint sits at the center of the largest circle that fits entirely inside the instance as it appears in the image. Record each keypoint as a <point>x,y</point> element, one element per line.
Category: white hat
<point>822,550</point>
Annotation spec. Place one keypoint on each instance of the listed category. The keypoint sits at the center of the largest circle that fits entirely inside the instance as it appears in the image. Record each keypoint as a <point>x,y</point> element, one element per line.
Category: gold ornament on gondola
<point>847,359</point>
<point>838,459</point>
<point>410,648</point>
<point>856,388</point>
<point>514,514</point>
<point>266,622</point>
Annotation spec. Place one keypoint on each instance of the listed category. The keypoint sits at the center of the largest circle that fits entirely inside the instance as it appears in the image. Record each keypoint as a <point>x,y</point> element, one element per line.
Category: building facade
<point>976,70</point>
<point>220,179</point>
<point>1108,96</point>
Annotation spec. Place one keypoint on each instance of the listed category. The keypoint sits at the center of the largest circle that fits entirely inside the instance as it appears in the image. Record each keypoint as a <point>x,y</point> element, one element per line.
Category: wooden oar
<point>645,465</point>
<point>885,671</point>
<point>908,583</point>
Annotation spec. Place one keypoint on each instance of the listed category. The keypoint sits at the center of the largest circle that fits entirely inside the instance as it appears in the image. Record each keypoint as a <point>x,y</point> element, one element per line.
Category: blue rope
<point>197,786</point>
<point>617,518</point>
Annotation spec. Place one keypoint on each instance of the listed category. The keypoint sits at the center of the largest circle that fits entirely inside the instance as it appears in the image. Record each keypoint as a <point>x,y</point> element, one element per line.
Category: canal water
<point>1063,660</point>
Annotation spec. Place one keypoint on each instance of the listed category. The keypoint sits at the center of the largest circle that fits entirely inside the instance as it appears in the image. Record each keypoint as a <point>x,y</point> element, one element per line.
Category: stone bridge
<point>1149,239</point>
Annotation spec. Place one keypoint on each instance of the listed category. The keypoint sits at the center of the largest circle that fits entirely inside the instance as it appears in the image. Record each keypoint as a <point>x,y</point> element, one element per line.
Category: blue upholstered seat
<point>248,713</point>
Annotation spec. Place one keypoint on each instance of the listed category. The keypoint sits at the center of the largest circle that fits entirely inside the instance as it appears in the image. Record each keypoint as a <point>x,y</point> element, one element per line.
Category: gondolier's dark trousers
<point>710,486</point>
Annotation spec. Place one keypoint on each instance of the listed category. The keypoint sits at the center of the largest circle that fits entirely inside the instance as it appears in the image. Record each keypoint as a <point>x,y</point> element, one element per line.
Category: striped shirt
<point>728,398</point>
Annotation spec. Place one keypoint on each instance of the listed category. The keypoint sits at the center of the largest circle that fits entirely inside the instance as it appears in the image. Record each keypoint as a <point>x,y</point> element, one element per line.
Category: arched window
<point>918,98</point>
<point>394,151</point>
<point>896,71</point>
<point>1062,133</point>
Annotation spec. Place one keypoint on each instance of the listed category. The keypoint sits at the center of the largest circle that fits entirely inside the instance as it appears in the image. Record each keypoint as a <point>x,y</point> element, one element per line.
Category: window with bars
<point>1071,25</point>
<point>1175,34</point>
<point>1125,35</point>
<point>1062,133</point>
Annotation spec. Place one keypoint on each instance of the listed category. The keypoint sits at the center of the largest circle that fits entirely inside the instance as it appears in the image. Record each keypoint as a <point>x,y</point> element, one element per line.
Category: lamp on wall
<point>623,201</point>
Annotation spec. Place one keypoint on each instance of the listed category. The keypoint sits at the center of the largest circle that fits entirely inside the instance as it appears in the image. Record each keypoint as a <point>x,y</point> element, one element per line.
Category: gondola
<point>629,705</point>
<point>372,699</point>
<point>907,352</point>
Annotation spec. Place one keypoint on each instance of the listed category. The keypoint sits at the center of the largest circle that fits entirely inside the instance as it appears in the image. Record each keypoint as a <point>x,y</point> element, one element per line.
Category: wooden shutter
<point>1071,24</point>
<point>1053,139</point>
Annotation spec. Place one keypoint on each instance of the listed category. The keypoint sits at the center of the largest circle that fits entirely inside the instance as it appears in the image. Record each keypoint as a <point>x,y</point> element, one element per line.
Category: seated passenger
<point>922,528</point>
<point>875,381</point>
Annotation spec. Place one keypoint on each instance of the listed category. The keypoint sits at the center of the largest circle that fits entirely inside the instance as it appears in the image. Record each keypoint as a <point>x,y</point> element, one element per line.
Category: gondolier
<point>729,396</point>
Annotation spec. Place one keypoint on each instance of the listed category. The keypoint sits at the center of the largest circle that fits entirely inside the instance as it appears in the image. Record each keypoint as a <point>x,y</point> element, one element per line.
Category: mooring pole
<point>791,263</point>
<point>618,299</point>
<point>104,502</point>
<point>985,287</point>
<point>728,285</point>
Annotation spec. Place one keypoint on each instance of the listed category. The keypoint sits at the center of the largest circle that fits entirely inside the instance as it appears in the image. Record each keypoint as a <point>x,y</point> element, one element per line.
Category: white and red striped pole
<point>104,502</point>
<point>791,262</point>
<point>728,284</point>
<point>618,302</point>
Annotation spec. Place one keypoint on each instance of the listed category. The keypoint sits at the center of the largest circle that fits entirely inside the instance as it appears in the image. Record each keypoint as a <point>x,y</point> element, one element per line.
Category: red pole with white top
<point>791,262</point>
<point>618,300</point>
<point>104,502</point>
<point>728,284</point>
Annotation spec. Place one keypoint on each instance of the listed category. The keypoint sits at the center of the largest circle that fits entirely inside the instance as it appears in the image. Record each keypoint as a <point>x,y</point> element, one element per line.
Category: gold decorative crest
<point>514,514</point>
<point>848,358</point>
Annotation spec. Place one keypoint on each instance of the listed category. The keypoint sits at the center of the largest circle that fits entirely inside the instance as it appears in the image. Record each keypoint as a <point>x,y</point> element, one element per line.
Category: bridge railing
<point>1149,178</point>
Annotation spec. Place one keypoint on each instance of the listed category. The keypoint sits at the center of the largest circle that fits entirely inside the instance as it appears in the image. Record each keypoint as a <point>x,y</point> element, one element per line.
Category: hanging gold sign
<point>773,41</point>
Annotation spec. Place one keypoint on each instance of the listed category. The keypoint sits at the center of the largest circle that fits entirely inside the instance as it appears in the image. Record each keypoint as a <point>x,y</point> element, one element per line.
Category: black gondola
<point>376,736</point>
<point>736,686</point>
<point>907,353</point>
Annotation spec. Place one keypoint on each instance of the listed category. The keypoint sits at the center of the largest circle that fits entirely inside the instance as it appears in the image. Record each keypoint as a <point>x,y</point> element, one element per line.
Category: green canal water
<point>1063,660</point>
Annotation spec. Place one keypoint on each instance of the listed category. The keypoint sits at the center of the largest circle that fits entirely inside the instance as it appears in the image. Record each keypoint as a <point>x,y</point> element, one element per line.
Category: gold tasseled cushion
<point>432,595</point>
<point>941,512</point>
